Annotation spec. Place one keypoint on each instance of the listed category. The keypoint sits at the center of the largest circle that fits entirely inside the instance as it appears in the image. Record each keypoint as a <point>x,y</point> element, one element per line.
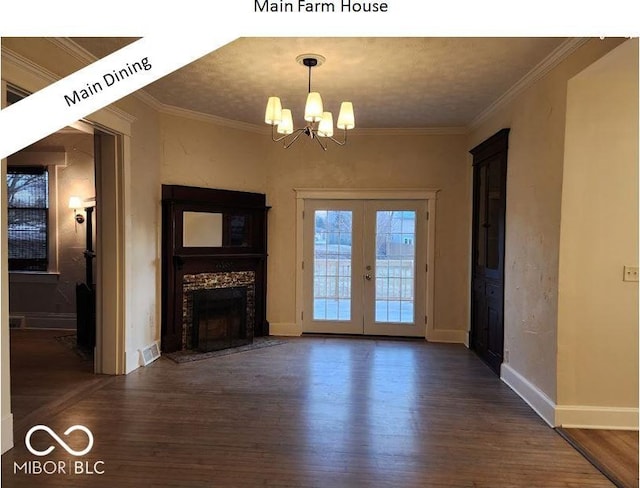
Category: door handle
<point>367,277</point>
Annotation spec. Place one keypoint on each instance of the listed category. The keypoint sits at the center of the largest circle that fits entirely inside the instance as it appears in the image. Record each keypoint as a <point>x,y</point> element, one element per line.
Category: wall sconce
<point>76,204</point>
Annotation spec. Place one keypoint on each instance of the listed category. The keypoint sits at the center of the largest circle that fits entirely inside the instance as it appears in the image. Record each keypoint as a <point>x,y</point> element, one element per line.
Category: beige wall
<point>143,225</point>
<point>202,154</point>
<point>56,303</point>
<point>597,310</point>
<point>428,161</point>
<point>534,184</point>
<point>198,153</point>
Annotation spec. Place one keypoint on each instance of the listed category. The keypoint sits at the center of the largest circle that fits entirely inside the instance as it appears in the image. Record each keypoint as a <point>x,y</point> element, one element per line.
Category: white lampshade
<point>286,124</point>
<point>75,203</point>
<point>273,113</point>
<point>313,108</point>
<point>325,127</point>
<point>346,118</point>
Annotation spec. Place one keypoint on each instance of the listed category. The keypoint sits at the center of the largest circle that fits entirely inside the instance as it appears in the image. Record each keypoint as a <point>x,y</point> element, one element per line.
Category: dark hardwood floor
<point>45,373</point>
<point>314,412</point>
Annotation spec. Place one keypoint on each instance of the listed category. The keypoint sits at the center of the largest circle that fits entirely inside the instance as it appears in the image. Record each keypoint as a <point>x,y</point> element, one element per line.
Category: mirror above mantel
<point>201,229</point>
<point>225,229</point>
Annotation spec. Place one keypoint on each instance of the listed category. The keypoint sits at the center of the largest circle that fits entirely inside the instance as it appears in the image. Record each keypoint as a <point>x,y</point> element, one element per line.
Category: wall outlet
<point>630,273</point>
<point>506,355</point>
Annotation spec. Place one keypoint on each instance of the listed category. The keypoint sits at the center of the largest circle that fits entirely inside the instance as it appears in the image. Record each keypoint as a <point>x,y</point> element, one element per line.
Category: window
<point>28,218</point>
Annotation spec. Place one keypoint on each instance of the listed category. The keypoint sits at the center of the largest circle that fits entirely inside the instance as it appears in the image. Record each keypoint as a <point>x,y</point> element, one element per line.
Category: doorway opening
<point>46,242</point>
<point>56,337</point>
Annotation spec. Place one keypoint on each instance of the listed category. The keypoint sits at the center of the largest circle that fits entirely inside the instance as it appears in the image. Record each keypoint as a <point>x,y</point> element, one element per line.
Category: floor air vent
<point>150,354</point>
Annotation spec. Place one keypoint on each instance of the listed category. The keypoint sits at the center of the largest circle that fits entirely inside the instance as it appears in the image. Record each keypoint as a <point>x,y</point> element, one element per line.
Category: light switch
<point>630,273</point>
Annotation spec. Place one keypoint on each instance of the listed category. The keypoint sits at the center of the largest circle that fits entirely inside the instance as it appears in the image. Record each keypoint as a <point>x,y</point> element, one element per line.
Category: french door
<point>364,267</point>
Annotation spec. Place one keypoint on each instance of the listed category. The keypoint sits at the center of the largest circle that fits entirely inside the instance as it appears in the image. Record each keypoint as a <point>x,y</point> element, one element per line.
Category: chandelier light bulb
<point>286,124</point>
<point>325,127</point>
<point>273,113</point>
<point>346,117</point>
<point>313,108</point>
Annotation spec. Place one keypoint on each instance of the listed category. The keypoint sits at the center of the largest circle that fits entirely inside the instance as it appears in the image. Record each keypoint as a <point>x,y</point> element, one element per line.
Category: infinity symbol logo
<point>63,444</point>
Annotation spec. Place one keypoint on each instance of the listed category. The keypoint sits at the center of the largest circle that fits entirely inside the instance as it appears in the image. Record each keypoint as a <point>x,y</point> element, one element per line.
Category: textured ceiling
<point>392,82</point>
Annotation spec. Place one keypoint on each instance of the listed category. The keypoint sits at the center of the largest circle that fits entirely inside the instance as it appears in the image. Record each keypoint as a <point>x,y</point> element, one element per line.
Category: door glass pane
<point>494,210</point>
<point>481,223</point>
<point>395,266</point>
<point>332,265</point>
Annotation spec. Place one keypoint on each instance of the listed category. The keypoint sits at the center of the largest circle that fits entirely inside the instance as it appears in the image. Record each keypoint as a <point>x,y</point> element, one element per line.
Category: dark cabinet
<point>487,283</point>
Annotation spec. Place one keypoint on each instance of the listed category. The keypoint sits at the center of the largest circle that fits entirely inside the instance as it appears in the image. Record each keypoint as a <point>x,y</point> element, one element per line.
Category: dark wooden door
<point>487,282</point>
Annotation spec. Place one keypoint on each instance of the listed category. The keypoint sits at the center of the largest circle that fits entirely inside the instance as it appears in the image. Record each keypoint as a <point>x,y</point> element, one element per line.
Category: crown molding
<point>74,50</point>
<point>45,76</point>
<point>558,55</point>
<point>411,131</point>
<point>213,119</point>
<point>150,100</point>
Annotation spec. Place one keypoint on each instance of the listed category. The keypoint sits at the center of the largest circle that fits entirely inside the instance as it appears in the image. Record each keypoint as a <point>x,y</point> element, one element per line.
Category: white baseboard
<point>530,393</point>
<point>7,432</point>
<point>447,335</point>
<point>284,329</point>
<point>569,416</point>
<point>131,361</point>
<point>593,417</point>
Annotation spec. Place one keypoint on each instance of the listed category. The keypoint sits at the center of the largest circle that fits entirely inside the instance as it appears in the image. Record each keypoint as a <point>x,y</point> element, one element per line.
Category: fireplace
<point>214,259</point>
<point>220,319</point>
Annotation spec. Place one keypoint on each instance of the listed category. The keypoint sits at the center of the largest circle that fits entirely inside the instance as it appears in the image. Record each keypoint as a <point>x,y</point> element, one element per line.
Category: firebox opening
<point>220,319</point>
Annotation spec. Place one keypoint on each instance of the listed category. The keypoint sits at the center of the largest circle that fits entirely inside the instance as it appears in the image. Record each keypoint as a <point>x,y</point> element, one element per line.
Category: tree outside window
<point>28,218</point>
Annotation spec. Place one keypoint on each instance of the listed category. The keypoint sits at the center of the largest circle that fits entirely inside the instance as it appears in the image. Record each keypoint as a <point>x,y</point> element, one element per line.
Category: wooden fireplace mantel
<point>241,246</point>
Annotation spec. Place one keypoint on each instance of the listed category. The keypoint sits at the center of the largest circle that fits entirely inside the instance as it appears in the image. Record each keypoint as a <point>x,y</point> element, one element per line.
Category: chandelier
<point>319,123</point>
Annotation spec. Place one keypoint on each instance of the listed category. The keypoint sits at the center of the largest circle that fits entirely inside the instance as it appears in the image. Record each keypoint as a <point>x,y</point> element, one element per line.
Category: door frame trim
<point>430,195</point>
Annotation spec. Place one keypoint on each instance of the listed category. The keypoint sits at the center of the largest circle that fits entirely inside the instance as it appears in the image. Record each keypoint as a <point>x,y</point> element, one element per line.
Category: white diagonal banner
<point>98,85</point>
